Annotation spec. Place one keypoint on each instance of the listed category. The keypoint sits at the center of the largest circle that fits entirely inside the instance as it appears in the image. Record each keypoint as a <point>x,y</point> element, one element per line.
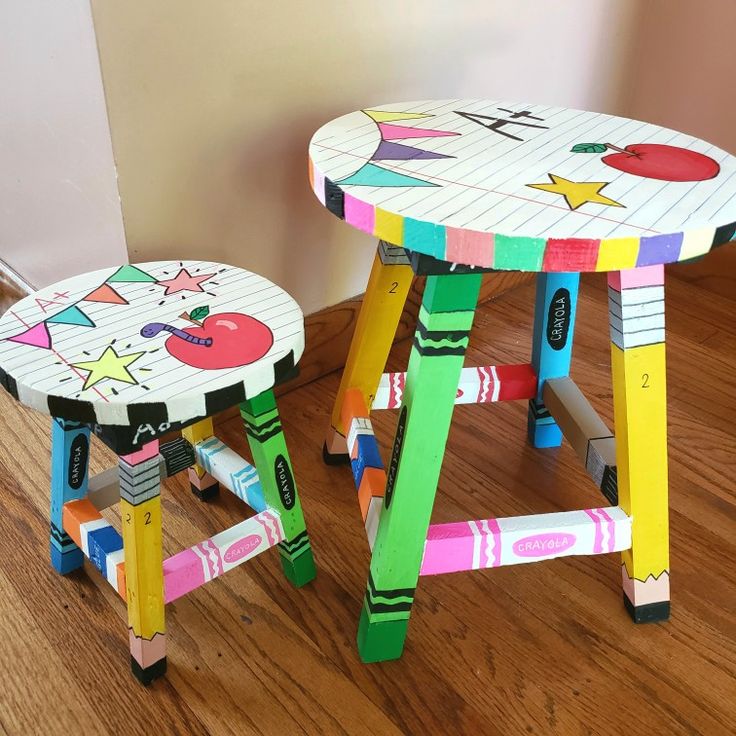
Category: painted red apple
<point>225,340</point>
<point>655,161</point>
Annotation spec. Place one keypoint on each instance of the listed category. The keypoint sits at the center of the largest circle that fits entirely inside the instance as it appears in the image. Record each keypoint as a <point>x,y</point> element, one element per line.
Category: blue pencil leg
<point>554,328</point>
<point>69,475</point>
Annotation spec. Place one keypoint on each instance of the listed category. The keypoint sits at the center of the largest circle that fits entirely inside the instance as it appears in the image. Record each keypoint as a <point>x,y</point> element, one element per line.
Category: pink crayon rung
<point>475,545</point>
<point>190,568</point>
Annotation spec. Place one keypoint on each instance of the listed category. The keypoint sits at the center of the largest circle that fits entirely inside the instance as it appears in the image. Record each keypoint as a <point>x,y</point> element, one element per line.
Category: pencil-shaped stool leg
<point>554,328</point>
<point>69,475</point>
<point>140,512</point>
<point>384,300</point>
<point>271,458</point>
<point>441,339</point>
<point>203,485</point>
<point>636,300</point>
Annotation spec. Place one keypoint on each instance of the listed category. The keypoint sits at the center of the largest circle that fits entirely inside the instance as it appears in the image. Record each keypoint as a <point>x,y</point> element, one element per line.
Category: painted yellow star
<point>108,365</point>
<point>577,193</point>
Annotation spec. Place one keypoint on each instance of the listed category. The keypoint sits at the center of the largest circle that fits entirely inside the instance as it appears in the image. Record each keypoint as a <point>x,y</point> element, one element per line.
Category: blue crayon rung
<point>232,471</point>
<point>368,456</point>
<point>101,543</point>
<point>97,539</point>
<point>247,487</point>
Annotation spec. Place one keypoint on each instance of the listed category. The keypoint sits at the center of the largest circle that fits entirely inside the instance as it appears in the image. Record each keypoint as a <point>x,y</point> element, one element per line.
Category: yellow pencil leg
<point>203,485</point>
<point>640,411</point>
<point>140,511</point>
<point>388,286</point>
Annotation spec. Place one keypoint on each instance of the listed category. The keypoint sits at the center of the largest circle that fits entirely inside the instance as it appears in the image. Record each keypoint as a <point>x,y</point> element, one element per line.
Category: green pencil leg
<point>271,458</point>
<point>432,378</point>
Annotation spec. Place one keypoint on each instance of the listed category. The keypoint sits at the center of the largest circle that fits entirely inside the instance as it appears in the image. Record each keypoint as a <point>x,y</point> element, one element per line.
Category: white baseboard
<point>12,277</point>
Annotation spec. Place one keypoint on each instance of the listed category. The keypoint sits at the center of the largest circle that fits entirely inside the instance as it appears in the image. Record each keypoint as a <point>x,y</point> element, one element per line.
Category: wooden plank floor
<point>538,649</point>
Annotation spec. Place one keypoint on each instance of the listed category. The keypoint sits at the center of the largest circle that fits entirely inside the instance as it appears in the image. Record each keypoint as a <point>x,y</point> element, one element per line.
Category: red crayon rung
<point>479,385</point>
<point>517,382</point>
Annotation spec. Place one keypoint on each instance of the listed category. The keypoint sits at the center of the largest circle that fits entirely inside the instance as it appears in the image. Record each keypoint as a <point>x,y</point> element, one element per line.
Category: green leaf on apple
<point>198,314</point>
<point>589,148</point>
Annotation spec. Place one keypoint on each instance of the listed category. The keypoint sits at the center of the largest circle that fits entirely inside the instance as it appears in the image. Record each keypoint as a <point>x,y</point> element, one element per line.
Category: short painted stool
<point>457,188</point>
<point>137,352</point>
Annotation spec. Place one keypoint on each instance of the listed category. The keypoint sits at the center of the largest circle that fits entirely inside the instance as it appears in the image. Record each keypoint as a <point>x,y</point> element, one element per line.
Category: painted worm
<point>153,328</point>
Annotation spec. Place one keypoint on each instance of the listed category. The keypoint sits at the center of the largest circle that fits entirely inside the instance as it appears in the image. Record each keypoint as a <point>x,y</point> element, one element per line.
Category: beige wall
<point>212,105</point>
<point>59,206</point>
<point>681,68</point>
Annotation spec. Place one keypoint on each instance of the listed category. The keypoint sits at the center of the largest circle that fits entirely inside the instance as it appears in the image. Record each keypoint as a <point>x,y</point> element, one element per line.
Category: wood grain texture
<point>10,292</point>
<point>541,649</point>
<point>715,273</point>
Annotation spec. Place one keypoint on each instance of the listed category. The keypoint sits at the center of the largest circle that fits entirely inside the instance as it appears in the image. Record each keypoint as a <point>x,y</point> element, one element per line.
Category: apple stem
<point>185,316</point>
<point>620,150</point>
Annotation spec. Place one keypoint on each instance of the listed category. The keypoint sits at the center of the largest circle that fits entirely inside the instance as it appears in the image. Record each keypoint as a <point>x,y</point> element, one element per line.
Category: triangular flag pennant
<point>371,175</point>
<point>71,316</point>
<point>382,116</point>
<point>388,151</point>
<point>105,294</point>
<point>38,336</point>
<point>129,274</point>
<point>394,132</point>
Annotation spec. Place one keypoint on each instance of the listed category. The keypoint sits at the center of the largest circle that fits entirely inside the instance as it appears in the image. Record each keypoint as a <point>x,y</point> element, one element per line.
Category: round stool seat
<point>161,342</point>
<point>507,186</point>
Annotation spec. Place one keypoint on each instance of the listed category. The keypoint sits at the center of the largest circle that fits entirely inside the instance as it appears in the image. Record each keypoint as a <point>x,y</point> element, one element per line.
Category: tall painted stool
<point>457,188</point>
<point>137,352</point>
